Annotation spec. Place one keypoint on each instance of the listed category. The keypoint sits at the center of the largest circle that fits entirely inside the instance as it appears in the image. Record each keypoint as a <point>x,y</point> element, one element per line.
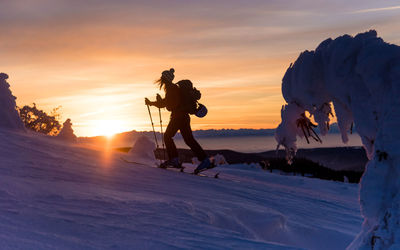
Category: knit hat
<point>168,74</point>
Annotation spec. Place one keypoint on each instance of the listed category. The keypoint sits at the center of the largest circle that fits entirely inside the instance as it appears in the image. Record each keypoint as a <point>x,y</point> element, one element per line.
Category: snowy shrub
<point>360,77</point>
<point>39,121</point>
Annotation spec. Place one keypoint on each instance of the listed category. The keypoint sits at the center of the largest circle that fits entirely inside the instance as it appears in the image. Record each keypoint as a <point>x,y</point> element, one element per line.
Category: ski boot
<point>172,163</point>
<point>204,165</point>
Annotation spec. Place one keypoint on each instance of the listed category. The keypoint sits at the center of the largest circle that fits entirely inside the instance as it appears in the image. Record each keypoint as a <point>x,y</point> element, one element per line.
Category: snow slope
<point>67,196</point>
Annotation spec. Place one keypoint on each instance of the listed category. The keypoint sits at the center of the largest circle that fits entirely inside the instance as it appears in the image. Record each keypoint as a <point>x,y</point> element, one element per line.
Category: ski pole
<point>152,124</point>
<point>162,134</point>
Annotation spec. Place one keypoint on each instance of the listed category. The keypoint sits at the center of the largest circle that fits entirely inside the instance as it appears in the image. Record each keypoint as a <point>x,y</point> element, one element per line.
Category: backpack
<point>189,96</point>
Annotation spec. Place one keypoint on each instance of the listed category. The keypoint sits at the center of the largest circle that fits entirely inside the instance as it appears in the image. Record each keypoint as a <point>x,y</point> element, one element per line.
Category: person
<point>179,120</point>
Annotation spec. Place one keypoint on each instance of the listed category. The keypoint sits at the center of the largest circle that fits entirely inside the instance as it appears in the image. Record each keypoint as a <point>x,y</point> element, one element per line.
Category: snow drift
<point>9,117</point>
<point>360,76</point>
<point>143,151</point>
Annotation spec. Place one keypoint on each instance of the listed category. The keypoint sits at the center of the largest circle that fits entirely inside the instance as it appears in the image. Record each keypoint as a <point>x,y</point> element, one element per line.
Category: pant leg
<point>170,132</point>
<point>187,135</point>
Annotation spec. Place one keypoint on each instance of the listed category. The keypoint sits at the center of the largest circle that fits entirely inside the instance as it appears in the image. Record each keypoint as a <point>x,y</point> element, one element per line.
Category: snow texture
<point>9,117</point>
<point>56,195</point>
<point>67,133</point>
<point>360,76</point>
<point>143,151</point>
<point>219,160</point>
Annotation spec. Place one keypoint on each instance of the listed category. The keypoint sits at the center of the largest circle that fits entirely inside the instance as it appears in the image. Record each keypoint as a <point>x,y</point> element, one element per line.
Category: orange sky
<point>99,59</point>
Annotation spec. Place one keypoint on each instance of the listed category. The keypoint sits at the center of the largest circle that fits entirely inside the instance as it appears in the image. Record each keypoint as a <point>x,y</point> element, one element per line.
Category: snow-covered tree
<point>67,133</point>
<point>39,121</point>
<point>360,76</point>
<point>9,117</point>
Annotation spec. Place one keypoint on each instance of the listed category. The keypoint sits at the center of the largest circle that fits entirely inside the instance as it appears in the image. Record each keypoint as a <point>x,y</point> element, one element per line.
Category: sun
<point>108,127</point>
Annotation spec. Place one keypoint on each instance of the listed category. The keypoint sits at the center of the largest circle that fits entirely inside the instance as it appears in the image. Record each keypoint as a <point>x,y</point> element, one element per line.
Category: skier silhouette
<point>179,120</point>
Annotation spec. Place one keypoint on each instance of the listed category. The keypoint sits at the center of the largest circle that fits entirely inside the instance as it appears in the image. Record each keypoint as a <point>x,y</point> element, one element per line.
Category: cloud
<point>377,9</point>
<point>81,52</point>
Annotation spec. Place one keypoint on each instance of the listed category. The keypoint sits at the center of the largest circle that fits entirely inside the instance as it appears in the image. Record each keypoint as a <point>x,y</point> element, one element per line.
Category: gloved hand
<point>159,98</point>
<point>147,101</point>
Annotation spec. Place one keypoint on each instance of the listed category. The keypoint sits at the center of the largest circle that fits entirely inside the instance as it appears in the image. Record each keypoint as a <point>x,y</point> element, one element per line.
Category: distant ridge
<point>215,132</point>
<point>127,138</point>
<point>333,129</point>
<point>233,132</point>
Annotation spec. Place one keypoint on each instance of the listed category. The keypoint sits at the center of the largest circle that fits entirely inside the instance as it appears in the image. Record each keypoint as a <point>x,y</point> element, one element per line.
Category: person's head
<point>167,77</point>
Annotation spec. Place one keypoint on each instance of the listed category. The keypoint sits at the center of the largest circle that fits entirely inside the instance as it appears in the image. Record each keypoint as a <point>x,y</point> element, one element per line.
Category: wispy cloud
<point>99,58</point>
<point>376,9</point>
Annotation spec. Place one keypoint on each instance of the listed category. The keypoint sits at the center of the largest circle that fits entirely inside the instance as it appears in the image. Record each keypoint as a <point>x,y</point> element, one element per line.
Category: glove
<point>158,97</point>
<point>147,101</point>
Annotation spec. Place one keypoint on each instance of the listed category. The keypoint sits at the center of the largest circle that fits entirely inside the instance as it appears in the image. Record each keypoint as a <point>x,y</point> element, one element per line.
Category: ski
<point>199,173</point>
<point>138,163</point>
<point>181,170</point>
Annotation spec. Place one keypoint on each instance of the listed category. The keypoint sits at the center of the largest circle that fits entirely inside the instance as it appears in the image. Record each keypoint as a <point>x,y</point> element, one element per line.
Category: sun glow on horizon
<point>58,56</point>
<point>108,128</point>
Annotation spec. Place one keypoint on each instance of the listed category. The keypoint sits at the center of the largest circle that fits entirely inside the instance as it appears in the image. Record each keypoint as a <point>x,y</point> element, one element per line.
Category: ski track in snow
<point>64,196</point>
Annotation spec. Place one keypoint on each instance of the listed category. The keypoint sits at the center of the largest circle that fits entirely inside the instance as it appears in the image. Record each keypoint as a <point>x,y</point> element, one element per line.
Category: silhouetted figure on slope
<point>176,102</point>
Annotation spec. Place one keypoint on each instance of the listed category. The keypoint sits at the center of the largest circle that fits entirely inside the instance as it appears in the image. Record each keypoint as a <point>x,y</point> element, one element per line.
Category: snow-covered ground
<point>63,196</point>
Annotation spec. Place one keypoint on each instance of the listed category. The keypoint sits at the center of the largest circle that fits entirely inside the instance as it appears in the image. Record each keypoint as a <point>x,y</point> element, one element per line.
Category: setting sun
<point>108,127</point>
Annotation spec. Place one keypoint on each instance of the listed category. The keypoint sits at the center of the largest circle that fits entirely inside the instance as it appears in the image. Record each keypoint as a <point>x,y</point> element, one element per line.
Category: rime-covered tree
<point>9,117</point>
<point>67,133</point>
<point>39,121</point>
<point>360,76</point>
